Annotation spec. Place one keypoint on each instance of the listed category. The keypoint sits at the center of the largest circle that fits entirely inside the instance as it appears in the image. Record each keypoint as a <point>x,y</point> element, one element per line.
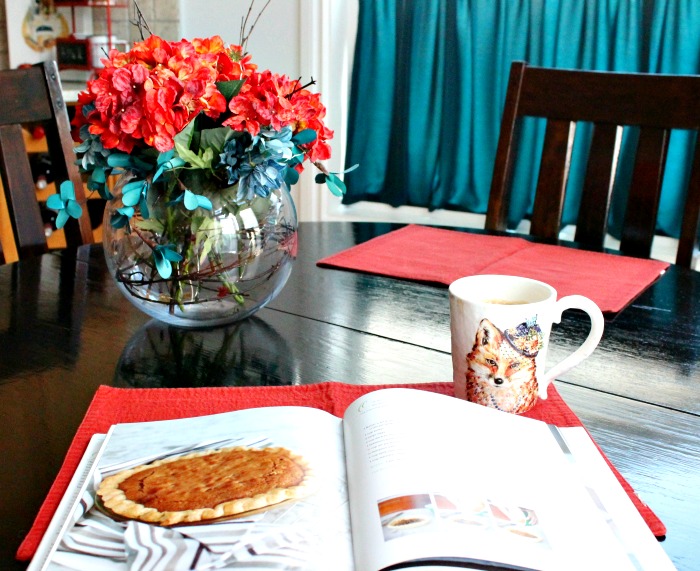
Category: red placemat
<point>112,406</point>
<point>440,256</point>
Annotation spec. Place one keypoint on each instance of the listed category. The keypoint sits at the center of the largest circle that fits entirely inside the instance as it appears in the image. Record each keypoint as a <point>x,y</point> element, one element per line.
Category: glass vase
<point>233,260</point>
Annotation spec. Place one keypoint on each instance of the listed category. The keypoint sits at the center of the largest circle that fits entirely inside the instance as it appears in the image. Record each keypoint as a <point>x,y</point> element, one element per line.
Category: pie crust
<point>207,485</point>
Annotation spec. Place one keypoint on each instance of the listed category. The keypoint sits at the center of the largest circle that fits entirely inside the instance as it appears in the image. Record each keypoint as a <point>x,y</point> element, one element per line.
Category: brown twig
<point>140,22</point>
<point>320,166</point>
<point>297,89</point>
<point>146,240</point>
<point>244,22</point>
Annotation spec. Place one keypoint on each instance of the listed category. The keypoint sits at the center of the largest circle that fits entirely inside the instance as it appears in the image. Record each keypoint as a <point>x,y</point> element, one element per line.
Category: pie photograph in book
<point>246,494</point>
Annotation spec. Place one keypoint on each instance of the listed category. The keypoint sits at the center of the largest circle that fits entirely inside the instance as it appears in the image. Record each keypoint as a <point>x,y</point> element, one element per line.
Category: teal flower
<point>64,204</point>
<point>121,217</point>
<point>259,179</point>
<point>163,257</point>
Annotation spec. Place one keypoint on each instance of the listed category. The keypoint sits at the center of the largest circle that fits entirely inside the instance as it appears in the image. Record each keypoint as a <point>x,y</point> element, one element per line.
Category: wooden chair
<point>33,95</point>
<point>654,103</point>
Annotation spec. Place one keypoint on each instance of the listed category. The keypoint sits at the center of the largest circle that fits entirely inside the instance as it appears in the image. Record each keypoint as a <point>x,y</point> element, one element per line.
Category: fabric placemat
<point>439,256</point>
<point>114,405</point>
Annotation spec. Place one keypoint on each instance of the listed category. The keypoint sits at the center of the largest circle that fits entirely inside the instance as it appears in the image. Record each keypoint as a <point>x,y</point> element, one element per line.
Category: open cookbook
<point>407,478</point>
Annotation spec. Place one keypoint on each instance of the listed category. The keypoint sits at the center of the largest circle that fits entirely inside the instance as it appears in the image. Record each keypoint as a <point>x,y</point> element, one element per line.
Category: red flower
<point>275,101</point>
<point>144,97</point>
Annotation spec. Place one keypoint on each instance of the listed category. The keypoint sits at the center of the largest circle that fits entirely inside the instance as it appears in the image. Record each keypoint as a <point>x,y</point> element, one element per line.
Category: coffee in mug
<point>500,328</point>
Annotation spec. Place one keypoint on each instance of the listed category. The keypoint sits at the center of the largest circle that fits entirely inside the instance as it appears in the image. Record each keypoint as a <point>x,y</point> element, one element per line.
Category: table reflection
<point>250,353</point>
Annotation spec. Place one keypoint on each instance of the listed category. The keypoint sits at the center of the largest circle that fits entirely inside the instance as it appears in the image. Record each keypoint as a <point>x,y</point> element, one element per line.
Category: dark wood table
<point>65,329</point>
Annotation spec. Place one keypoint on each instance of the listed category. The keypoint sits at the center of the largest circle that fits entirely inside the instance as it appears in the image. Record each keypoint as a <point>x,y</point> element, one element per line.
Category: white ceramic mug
<point>500,329</point>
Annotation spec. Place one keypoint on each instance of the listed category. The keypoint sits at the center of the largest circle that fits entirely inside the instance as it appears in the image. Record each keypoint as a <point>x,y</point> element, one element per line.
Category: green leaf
<point>320,178</point>
<point>195,224</point>
<point>151,225</point>
<point>215,138</point>
<point>206,248</point>
<point>229,89</point>
<point>207,223</point>
<point>208,157</point>
<point>184,138</point>
<point>187,155</point>
<point>195,160</point>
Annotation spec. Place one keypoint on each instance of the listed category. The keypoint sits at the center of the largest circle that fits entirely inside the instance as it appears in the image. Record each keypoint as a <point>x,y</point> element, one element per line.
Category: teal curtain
<point>429,81</point>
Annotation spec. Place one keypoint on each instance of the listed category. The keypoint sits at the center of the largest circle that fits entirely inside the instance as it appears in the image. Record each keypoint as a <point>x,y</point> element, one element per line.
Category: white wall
<point>300,38</point>
<point>275,41</point>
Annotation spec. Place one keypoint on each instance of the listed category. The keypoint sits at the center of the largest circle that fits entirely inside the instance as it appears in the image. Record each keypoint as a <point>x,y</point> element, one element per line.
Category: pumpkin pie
<point>207,485</point>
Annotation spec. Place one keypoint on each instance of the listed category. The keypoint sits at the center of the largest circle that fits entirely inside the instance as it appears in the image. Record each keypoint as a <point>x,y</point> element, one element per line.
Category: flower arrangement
<point>199,131</point>
<point>199,114</point>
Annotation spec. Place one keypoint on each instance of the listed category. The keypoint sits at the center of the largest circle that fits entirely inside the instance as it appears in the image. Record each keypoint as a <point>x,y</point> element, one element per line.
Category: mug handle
<point>586,348</point>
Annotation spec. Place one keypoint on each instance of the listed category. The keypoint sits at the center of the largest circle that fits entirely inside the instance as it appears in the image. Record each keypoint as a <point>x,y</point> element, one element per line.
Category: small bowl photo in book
<point>525,533</point>
<point>409,519</point>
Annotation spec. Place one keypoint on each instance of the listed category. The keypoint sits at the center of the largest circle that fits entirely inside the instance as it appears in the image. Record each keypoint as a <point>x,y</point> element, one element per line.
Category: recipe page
<point>434,478</point>
<point>302,532</point>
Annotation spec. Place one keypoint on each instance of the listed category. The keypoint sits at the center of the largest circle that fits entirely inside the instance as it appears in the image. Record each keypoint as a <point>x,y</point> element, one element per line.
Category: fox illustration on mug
<point>501,366</point>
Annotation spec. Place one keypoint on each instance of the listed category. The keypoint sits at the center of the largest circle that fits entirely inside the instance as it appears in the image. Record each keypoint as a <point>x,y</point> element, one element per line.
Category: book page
<point>299,533</point>
<point>619,512</point>
<point>435,479</point>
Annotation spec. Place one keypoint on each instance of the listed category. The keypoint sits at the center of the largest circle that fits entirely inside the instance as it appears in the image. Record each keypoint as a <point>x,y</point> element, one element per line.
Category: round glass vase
<point>234,259</point>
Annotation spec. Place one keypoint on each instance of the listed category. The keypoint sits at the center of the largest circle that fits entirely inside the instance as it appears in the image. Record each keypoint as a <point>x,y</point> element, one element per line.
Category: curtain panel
<point>429,82</point>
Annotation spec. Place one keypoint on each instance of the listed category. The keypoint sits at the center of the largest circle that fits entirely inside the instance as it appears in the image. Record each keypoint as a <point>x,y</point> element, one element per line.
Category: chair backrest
<point>609,100</point>
<point>33,95</point>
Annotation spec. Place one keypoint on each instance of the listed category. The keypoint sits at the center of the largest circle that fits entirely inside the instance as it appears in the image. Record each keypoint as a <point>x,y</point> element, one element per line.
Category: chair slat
<point>497,212</point>
<point>34,95</point>
<point>687,244</point>
<point>22,101</point>
<point>611,97</point>
<point>639,225</point>
<point>20,193</point>
<point>60,144</point>
<point>592,223</point>
<point>551,183</point>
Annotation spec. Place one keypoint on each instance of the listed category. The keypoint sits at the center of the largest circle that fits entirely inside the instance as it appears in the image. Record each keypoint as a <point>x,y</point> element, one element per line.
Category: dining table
<point>66,329</point>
